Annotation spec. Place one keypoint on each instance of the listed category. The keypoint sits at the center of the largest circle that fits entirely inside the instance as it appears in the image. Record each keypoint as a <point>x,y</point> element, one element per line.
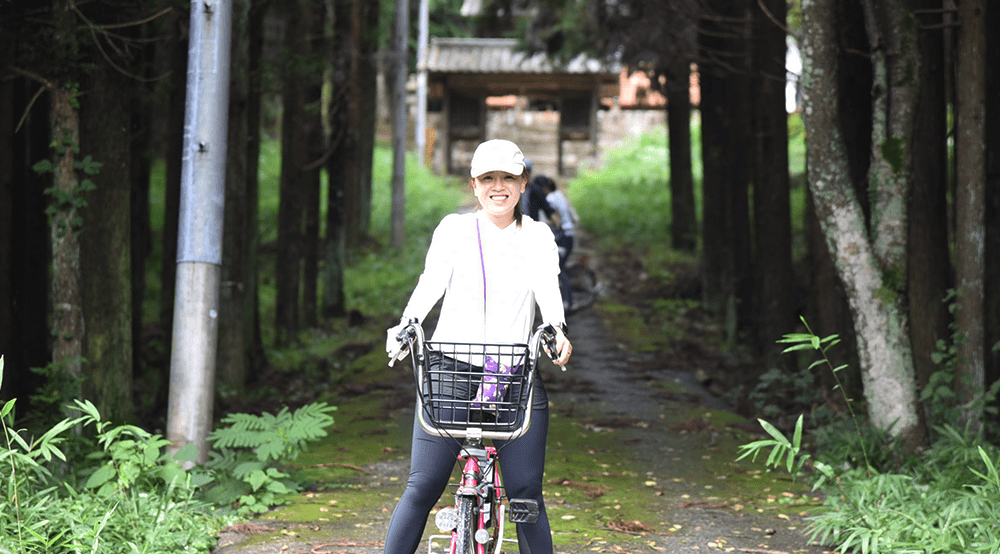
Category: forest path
<point>676,439</point>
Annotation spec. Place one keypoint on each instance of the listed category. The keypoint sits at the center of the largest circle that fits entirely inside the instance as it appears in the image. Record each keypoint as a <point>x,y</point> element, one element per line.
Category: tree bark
<point>144,113</point>
<point>399,118</point>
<point>929,272</point>
<point>715,280</point>
<point>970,189</point>
<point>772,206</point>
<point>291,207</point>
<point>895,64</point>
<point>68,325</point>
<point>233,352</point>
<point>991,278</point>
<point>683,220</point>
<point>829,312</point>
<point>367,70</point>
<point>725,78</point>
<point>105,252</point>
<point>254,340</point>
<point>883,342</point>
<point>356,98</point>
<point>342,166</point>
<point>316,150</point>
<point>677,70</point>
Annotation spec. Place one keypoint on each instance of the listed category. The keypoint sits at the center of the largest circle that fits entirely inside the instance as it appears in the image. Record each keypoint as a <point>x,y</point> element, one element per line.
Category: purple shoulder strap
<point>482,265</point>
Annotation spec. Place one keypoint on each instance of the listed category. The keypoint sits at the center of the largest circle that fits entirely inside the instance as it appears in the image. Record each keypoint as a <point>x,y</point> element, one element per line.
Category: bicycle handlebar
<point>544,337</point>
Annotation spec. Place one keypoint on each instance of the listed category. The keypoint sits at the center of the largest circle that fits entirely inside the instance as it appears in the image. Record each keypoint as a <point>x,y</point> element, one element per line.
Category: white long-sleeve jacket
<point>521,268</point>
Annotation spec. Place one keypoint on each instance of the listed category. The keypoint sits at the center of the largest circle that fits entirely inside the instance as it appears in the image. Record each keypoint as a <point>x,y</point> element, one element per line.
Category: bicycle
<point>446,375</point>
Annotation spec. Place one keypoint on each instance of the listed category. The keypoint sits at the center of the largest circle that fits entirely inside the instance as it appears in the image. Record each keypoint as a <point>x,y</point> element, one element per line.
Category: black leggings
<point>432,460</point>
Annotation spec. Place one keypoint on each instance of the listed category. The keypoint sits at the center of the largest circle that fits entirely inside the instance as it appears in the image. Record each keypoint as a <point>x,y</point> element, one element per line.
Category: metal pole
<point>421,130</point>
<point>199,235</point>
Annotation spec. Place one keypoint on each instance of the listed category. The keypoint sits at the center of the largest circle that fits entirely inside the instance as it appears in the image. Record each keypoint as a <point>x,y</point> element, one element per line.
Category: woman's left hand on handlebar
<point>563,348</point>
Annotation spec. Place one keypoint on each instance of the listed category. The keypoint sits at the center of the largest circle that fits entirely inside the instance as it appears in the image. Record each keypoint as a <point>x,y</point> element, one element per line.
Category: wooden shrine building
<point>462,73</point>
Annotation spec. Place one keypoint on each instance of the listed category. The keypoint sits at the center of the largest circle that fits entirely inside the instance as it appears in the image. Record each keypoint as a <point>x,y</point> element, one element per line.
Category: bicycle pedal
<point>523,510</point>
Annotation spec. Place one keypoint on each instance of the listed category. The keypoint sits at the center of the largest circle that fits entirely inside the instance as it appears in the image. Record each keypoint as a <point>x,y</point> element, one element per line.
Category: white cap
<point>497,155</point>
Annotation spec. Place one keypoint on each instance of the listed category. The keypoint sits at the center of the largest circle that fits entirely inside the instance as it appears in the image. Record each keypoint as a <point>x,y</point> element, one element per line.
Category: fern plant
<point>249,452</point>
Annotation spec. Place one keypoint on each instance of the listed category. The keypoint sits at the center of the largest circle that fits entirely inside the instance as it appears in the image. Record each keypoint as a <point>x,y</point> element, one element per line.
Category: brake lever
<point>548,337</point>
<point>399,355</point>
<point>404,335</point>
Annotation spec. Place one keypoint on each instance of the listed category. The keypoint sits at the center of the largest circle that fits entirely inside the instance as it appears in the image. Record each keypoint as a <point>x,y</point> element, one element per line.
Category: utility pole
<point>421,131</point>
<point>199,234</point>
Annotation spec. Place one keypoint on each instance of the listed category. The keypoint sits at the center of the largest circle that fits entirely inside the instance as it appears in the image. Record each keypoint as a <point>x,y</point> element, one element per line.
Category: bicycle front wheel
<point>465,542</point>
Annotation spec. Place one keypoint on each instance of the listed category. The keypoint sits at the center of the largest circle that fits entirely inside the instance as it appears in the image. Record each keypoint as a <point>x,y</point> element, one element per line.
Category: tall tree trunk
<point>879,318</point>
<point>367,69</point>
<point>929,263</point>
<point>854,81</point>
<point>233,351</point>
<point>68,315</point>
<point>715,281</point>
<point>107,272</point>
<point>342,166</point>
<point>676,67</point>
<point>828,312</point>
<point>970,189</point>
<point>991,275</point>
<point>726,270</point>
<point>142,117</point>
<point>357,97</point>
<point>399,117</point>
<point>772,206</point>
<point>254,340</point>
<point>683,220</point>
<point>291,207</point>
<point>735,54</point>
<point>315,140</point>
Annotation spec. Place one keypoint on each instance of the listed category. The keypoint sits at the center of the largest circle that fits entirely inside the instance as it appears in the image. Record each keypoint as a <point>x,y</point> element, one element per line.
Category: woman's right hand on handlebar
<point>393,347</point>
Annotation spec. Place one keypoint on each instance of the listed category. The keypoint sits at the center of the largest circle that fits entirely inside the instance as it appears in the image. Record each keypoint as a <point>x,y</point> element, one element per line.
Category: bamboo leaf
<point>797,348</point>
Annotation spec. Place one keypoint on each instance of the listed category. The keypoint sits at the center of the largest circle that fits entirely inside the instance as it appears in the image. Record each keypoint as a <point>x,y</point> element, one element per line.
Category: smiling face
<point>498,193</point>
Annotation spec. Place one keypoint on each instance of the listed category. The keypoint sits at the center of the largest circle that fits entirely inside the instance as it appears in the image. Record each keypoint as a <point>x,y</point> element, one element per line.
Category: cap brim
<point>512,168</point>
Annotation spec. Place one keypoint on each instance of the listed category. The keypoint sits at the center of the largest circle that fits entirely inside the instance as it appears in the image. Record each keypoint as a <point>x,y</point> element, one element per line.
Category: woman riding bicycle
<point>491,267</point>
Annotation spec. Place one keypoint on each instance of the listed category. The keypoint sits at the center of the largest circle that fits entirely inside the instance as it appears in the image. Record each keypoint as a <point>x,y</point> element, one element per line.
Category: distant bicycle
<point>474,392</point>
